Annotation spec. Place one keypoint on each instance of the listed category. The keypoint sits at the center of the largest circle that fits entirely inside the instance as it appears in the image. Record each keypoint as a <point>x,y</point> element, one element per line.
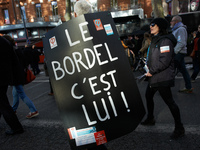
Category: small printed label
<point>53,42</point>
<point>85,139</point>
<point>85,131</point>
<point>82,136</point>
<point>98,24</point>
<point>179,38</point>
<point>72,133</point>
<point>100,137</point>
<point>108,29</point>
<point>164,49</point>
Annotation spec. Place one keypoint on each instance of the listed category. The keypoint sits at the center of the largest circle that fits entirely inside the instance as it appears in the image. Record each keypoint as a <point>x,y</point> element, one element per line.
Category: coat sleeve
<point>181,40</point>
<point>164,57</point>
<point>198,51</point>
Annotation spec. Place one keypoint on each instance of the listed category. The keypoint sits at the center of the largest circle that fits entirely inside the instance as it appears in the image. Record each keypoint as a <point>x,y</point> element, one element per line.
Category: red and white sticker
<point>98,24</point>
<point>72,133</point>
<point>100,137</point>
<point>53,42</point>
<point>164,49</point>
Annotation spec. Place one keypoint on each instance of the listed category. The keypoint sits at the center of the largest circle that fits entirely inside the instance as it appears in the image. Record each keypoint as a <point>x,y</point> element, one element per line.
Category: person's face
<point>173,22</point>
<point>194,34</point>
<point>199,28</point>
<point>129,37</point>
<point>154,29</point>
<point>136,37</point>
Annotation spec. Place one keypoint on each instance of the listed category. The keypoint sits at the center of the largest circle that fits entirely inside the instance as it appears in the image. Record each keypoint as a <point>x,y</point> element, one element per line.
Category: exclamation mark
<point>125,102</point>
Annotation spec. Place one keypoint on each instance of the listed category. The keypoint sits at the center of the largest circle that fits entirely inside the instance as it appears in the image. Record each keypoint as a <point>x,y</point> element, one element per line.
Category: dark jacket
<point>197,52</point>
<point>21,69</point>
<point>161,60</point>
<point>9,63</point>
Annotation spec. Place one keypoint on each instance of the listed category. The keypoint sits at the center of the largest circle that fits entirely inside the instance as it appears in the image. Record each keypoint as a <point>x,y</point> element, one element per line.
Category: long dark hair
<point>10,39</point>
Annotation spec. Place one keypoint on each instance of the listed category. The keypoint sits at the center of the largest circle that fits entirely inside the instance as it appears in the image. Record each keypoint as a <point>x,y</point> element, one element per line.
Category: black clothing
<point>8,61</point>
<point>165,93</point>
<point>20,71</point>
<point>7,111</point>
<point>160,62</point>
<point>161,23</point>
<point>36,59</point>
<point>138,46</point>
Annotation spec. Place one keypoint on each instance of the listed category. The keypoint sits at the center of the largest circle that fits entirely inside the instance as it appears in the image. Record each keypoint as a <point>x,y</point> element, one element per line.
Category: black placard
<point>93,84</point>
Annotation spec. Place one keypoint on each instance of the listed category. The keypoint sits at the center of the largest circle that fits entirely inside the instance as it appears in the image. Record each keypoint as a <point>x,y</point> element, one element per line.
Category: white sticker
<point>85,139</point>
<point>179,38</point>
<point>53,42</point>
<point>73,133</point>
<point>85,131</point>
<point>108,29</point>
<point>164,49</point>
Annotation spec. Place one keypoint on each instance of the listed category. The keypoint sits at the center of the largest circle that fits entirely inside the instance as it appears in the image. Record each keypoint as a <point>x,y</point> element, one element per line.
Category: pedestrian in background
<point>18,90</point>
<point>179,30</point>
<point>131,45</point>
<point>138,45</point>
<point>160,62</point>
<point>196,57</point>
<point>36,59</point>
<point>8,61</point>
<point>145,44</point>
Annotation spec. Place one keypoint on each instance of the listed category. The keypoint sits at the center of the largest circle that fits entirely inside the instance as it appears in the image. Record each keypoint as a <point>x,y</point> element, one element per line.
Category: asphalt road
<point>46,131</point>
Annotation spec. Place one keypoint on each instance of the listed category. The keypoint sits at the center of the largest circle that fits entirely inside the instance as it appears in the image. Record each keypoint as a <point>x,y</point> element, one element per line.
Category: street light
<point>22,16</point>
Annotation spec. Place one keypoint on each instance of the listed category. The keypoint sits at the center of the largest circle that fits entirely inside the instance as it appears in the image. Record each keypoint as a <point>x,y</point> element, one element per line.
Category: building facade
<point>39,16</point>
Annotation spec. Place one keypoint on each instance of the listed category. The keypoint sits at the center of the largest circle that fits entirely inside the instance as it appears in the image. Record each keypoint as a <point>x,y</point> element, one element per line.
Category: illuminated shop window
<point>21,34</point>
<point>54,8</point>
<point>38,10</point>
<point>6,16</point>
<point>134,2</point>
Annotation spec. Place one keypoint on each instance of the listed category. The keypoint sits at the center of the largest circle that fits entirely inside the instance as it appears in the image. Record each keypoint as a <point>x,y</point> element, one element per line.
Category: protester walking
<point>161,74</point>
<point>36,59</point>
<point>18,91</point>
<point>8,62</point>
<point>180,33</point>
<point>196,57</point>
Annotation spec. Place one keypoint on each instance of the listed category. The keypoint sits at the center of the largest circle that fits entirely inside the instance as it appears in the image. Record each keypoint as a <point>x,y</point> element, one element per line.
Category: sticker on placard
<point>53,42</point>
<point>108,29</point>
<point>100,137</point>
<point>85,136</point>
<point>72,133</point>
<point>98,24</point>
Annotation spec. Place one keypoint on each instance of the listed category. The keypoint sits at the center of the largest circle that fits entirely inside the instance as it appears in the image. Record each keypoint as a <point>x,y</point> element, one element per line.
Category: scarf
<point>176,25</point>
